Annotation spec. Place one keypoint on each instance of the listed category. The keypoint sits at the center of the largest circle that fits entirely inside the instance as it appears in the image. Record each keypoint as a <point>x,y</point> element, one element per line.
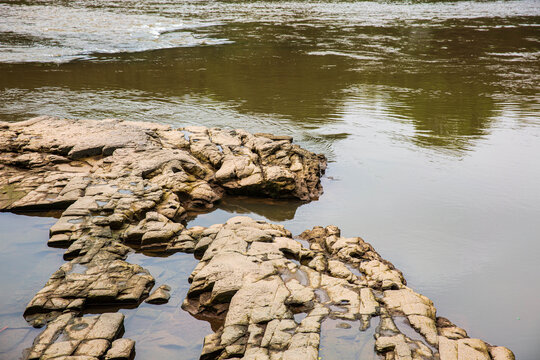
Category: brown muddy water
<point>428,111</point>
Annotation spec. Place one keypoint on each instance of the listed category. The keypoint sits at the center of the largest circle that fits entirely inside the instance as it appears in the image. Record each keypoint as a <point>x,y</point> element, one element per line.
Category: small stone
<point>121,349</point>
<point>160,295</point>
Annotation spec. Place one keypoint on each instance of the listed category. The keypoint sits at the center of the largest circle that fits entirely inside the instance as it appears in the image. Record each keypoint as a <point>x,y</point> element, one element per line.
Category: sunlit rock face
<point>83,338</point>
<point>48,162</point>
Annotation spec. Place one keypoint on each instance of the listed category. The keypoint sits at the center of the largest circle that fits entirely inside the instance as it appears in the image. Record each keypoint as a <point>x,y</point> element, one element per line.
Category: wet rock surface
<point>124,186</point>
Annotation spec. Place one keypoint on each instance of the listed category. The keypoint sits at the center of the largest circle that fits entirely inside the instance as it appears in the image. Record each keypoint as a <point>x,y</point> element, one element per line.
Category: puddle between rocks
<point>75,221</point>
<point>322,296</point>
<point>78,269</point>
<point>344,340</point>
<point>355,271</point>
<point>287,275</point>
<point>166,331</point>
<point>304,243</point>
<point>299,317</point>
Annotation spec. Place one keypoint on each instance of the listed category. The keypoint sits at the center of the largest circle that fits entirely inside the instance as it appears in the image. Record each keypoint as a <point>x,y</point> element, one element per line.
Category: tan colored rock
<point>418,309</point>
<point>338,269</point>
<point>462,349</point>
<point>160,295</point>
<point>472,349</point>
<point>95,348</point>
<point>133,182</point>
<point>121,349</point>
<point>103,278</point>
<point>396,344</point>
<point>447,329</point>
<point>246,261</point>
<point>501,353</point>
<point>108,326</point>
<point>80,338</point>
<point>59,348</point>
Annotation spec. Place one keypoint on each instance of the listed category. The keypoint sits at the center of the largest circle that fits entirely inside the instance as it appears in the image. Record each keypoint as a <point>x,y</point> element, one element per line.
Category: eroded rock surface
<point>253,278</point>
<point>131,183</point>
<point>47,162</point>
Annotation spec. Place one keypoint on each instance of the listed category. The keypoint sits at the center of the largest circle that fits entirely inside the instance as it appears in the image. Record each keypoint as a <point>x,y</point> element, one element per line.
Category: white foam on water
<point>339,53</point>
<point>60,34</point>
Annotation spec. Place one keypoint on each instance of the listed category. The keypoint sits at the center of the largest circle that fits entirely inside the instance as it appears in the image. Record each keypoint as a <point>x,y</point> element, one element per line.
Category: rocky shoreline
<point>129,185</point>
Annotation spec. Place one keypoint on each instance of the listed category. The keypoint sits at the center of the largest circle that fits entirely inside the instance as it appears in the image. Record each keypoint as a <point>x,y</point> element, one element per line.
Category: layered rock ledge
<point>49,162</point>
<point>253,278</point>
<point>132,183</point>
<point>124,185</point>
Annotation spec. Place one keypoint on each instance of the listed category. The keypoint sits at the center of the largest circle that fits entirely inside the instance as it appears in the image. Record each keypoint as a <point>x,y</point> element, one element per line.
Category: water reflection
<point>269,209</point>
<point>343,340</point>
<point>446,78</point>
<point>24,256</point>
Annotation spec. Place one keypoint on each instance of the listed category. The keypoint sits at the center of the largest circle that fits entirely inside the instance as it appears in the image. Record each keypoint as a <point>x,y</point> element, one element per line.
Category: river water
<point>428,112</point>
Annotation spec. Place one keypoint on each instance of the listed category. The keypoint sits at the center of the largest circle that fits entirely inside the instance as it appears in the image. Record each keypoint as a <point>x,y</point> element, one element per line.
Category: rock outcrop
<point>49,162</point>
<point>123,185</point>
<point>132,183</point>
<point>254,277</point>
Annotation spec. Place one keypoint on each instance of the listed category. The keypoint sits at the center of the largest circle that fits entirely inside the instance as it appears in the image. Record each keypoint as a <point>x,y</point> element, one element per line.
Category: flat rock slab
<point>88,337</point>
